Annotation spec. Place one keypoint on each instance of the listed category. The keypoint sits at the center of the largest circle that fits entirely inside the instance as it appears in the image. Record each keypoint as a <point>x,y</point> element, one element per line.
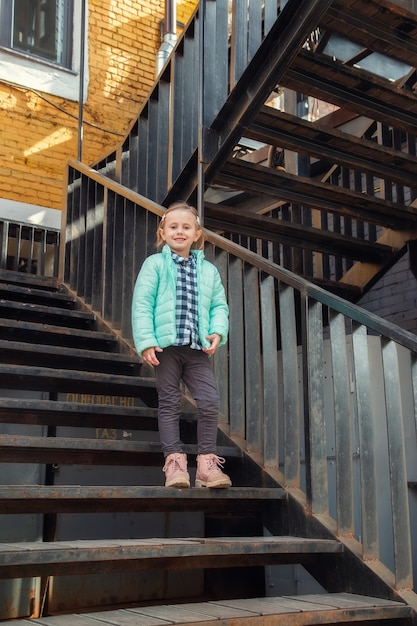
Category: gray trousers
<point>193,367</point>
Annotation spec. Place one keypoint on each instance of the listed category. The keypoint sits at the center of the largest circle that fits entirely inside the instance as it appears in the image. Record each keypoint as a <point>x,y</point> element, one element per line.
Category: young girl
<point>180,318</point>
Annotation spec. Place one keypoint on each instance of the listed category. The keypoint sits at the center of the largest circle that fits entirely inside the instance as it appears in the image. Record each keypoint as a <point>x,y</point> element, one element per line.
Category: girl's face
<point>180,230</point>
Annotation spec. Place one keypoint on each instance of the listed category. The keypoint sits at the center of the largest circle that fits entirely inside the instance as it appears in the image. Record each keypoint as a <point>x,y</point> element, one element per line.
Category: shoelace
<point>215,462</point>
<point>176,461</point>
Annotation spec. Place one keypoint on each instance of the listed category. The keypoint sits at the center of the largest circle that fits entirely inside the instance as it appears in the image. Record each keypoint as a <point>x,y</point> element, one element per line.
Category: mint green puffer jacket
<point>154,299</point>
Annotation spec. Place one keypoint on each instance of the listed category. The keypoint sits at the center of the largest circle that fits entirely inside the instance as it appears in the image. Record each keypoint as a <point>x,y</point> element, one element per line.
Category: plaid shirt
<point>186,310</point>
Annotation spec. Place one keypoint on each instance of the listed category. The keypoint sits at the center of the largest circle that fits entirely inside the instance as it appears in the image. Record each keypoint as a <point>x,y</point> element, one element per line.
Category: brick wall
<point>39,131</point>
<point>394,296</point>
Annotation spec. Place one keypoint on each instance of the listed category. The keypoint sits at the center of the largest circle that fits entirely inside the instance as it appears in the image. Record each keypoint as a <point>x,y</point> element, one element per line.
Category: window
<point>42,28</point>
<point>38,34</point>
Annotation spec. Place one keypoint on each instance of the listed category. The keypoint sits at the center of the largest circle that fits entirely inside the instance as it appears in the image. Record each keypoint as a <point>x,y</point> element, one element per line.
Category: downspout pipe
<point>201,116</point>
<point>169,35</point>
<point>81,83</point>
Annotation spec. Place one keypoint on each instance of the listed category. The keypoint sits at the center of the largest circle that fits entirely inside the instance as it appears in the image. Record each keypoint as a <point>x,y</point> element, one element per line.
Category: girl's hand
<point>214,340</point>
<point>149,355</point>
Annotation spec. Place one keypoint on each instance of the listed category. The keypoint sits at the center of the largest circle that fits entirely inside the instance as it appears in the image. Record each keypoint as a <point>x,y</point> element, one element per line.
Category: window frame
<point>5,19</point>
<point>41,74</point>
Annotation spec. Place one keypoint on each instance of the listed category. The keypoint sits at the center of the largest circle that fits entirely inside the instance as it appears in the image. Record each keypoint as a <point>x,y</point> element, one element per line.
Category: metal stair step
<point>75,498</point>
<point>29,293</point>
<point>46,283</point>
<point>107,413</point>
<point>64,380</point>
<point>80,451</point>
<point>332,608</point>
<point>56,335</point>
<point>23,353</point>
<point>28,311</point>
<point>85,556</point>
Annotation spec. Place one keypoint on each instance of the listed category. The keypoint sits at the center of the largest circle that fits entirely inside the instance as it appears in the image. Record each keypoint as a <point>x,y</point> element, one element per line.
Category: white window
<point>40,45</point>
<point>40,28</point>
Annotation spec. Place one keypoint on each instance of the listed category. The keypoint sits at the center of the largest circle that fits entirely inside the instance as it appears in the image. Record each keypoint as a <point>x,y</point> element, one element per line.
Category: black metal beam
<point>314,139</point>
<point>273,58</point>
<point>353,89</point>
<point>257,179</point>
<point>271,61</point>
<point>236,221</point>
<point>370,24</point>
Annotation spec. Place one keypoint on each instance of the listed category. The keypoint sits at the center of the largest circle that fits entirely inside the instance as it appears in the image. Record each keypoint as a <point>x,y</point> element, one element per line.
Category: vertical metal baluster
<point>403,567</point>
<point>254,385</point>
<point>290,384</point>
<point>316,426</point>
<point>343,424</point>
<point>237,382</point>
<point>370,530</point>
<point>270,372</point>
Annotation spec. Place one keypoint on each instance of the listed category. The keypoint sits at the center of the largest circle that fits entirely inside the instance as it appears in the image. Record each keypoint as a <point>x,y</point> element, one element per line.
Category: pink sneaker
<point>175,469</point>
<point>209,472</point>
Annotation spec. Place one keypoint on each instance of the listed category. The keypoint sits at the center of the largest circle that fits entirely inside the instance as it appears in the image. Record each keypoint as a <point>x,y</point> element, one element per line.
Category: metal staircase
<point>85,429</point>
<point>342,211</point>
<point>317,396</point>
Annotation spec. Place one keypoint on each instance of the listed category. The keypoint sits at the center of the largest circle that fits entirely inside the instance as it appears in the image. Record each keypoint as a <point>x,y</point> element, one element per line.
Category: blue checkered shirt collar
<point>180,260</point>
<point>186,309</point>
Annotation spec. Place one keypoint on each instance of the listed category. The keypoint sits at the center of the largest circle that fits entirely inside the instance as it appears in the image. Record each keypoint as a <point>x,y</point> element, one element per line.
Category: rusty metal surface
<point>71,450</point>
<point>277,611</point>
<point>86,411</point>
<point>81,557</point>
<point>66,380</point>
<point>41,499</point>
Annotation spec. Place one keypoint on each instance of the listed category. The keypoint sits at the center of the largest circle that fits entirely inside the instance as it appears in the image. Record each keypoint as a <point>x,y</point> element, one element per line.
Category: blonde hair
<point>180,205</point>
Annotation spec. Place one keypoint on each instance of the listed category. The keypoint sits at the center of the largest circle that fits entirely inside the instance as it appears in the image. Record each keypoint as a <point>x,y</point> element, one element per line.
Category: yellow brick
<point>123,44</point>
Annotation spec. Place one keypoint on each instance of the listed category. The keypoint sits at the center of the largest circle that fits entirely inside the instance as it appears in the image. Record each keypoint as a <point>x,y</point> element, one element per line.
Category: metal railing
<point>159,157</point>
<point>158,148</point>
<point>320,392</point>
<point>29,249</point>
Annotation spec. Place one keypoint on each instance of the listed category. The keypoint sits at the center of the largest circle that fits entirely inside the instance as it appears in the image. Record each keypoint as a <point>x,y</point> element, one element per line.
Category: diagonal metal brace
<point>283,42</point>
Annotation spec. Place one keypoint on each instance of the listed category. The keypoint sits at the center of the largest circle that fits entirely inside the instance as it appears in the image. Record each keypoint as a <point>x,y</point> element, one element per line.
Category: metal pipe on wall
<point>169,36</point>
<point>200,165</point>
<point>81,82</point>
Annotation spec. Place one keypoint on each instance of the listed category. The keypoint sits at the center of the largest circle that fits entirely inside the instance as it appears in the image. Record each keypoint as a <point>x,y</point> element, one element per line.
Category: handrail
<point>319,391</point>
<point>357,313</point>
<point>310,290</point>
